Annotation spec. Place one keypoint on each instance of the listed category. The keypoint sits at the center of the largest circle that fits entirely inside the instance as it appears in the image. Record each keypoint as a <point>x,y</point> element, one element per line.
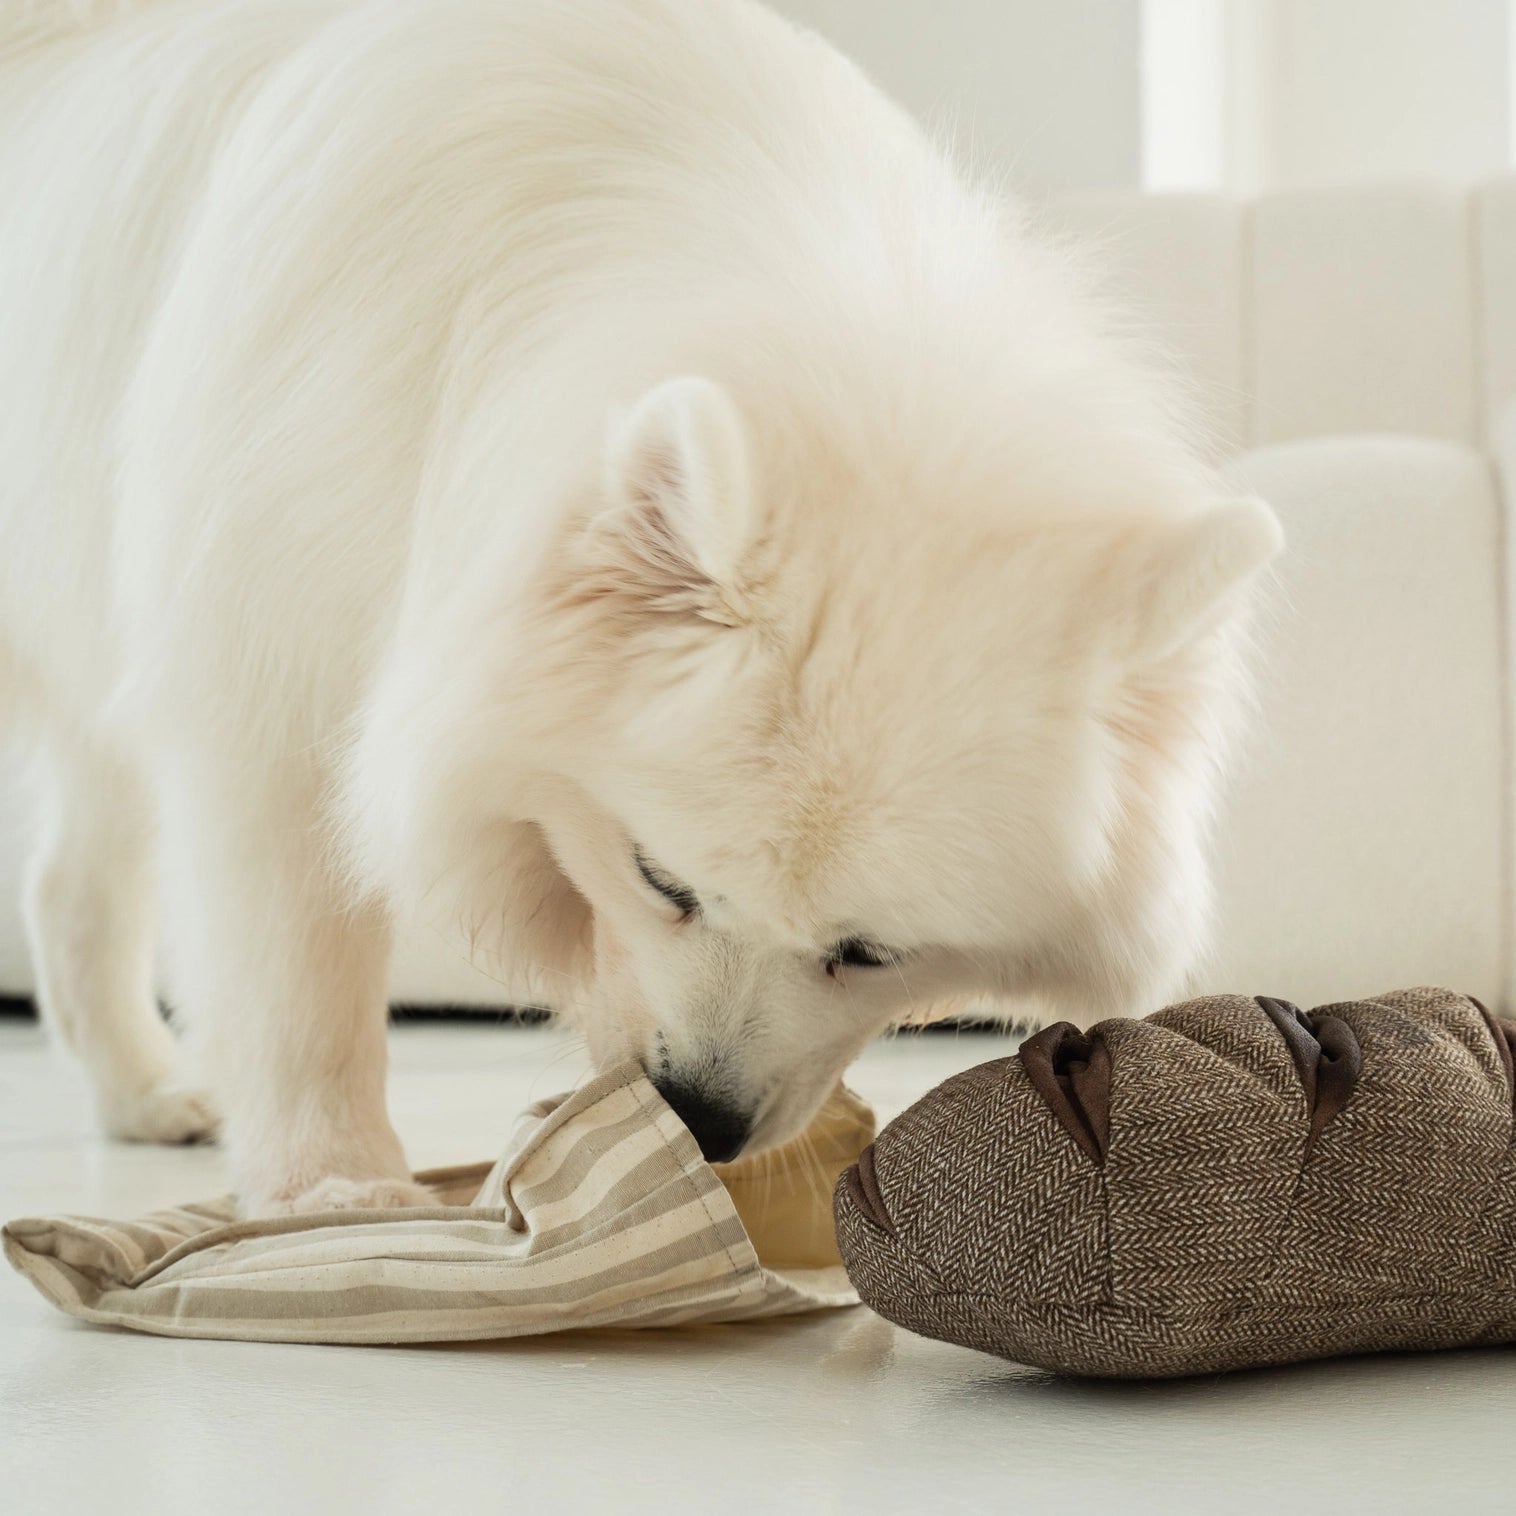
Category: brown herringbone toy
<point>1228,1183</point>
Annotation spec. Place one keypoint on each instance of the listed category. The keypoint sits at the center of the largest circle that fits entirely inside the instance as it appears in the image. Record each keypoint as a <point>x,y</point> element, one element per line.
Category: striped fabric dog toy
<point>602,1212</point>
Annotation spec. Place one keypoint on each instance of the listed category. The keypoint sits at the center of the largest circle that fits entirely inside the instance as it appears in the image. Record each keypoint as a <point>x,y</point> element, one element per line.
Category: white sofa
<point>1356,352</point>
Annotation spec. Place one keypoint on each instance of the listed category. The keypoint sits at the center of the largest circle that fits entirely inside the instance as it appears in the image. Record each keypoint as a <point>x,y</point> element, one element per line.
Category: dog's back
<point>211,197</point>
<point>111,118</point>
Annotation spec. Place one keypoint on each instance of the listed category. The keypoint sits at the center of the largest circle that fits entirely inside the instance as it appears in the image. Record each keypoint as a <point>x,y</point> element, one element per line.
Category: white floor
<point>840,1413</point>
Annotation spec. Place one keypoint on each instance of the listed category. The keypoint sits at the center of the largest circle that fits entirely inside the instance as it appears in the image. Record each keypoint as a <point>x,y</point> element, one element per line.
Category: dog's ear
<point>1172,582</point>
<point>679,491</point>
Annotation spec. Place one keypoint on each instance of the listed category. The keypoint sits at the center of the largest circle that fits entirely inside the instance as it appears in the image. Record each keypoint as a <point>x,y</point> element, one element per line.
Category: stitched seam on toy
<point>929,1269</point>
<point>1337,1307</point>
<point>750,1272</point>
<point>1108,1284</point>
<point>912,1256</point>
<point>1276,1253</point>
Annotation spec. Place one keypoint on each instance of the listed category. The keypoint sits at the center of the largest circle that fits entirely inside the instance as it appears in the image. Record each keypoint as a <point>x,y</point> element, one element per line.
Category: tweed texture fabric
<point>1228,1183</point>
<point>601,1212</point>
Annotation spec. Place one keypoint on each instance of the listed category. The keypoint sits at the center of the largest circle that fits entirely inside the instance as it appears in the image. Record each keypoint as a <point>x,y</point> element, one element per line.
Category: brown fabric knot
<point>1071,1070</point>
<point>863,1184</point>
<point>1327,1057</point>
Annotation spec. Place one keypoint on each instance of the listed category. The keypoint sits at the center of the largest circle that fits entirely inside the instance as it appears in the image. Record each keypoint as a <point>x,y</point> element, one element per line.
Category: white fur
<point>444,443</point>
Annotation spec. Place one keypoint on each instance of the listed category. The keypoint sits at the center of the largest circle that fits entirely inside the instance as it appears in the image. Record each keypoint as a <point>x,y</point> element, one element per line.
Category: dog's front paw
<point>338,1194</point>
<point>164,1112</point>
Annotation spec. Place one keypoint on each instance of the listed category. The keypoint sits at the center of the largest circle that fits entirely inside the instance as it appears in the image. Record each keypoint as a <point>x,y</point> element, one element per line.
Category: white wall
<point>1044,90</point>
<point>1246,95</point>
<point>1354,91</point>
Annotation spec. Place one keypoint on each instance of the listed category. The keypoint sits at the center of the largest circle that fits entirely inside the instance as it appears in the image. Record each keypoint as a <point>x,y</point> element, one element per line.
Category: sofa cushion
<point>1363,844</point>
<point>1362,313</point>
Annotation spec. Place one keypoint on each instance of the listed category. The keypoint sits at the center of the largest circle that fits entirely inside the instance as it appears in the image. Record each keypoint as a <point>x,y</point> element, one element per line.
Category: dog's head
<point>814,715</point>
<point>844,736</point>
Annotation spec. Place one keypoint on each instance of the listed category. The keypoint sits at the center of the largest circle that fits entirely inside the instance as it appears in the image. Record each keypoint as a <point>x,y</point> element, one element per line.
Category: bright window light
<point>1184,94</point>
<point>1510,81</point>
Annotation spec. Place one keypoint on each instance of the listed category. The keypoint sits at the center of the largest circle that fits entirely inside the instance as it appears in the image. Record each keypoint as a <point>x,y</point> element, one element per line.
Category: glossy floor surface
<point>838,1413</point>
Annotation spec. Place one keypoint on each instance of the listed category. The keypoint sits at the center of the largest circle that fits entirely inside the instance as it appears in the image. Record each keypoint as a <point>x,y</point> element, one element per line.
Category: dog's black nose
<point>720,1127</point>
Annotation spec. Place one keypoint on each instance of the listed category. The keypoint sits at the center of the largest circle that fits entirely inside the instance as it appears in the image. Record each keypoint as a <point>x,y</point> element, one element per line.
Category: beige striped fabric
<point>601,1212</point>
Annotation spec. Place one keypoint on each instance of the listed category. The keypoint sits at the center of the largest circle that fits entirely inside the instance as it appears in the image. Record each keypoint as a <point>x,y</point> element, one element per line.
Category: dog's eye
<point>859,953</point>
<point>660,880</point>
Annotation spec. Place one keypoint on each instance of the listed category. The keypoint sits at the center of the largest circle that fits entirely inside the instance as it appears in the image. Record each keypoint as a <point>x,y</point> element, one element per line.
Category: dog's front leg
<point>284,983</point>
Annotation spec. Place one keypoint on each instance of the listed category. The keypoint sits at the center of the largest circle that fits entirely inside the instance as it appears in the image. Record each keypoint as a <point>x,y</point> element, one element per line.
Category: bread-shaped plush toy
<point>1228,1183</point>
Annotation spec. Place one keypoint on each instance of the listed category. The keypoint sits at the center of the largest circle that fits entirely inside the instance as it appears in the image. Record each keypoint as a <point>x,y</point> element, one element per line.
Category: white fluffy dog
<point>591,471</point>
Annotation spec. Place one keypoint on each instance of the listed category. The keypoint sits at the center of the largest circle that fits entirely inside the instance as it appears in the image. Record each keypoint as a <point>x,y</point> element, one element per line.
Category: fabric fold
<point>600,1212</point>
